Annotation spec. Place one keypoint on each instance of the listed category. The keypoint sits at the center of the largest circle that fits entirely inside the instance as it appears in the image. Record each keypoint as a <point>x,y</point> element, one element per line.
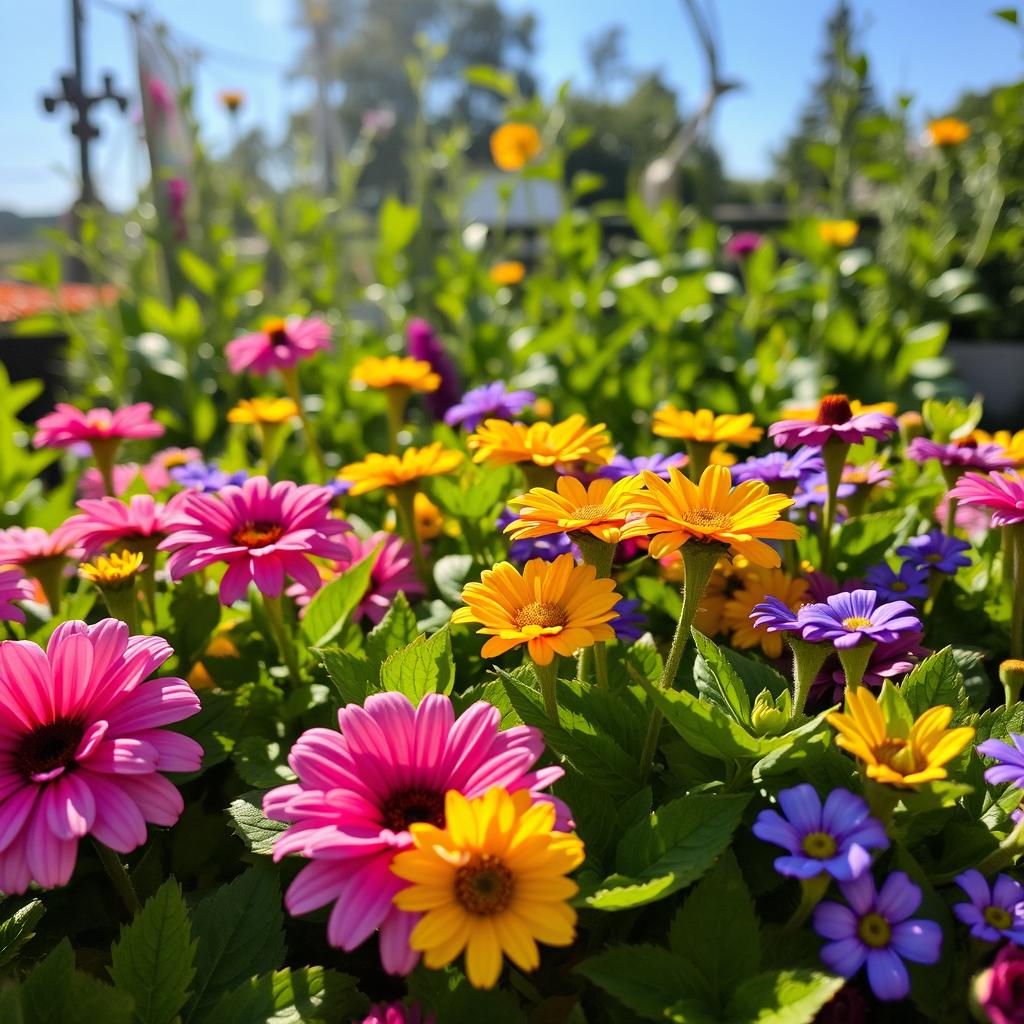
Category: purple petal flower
<point>887,661</point>
<point>967,454</point>
<point>548,548</point>
<point>1011,758</point>
<point>490,401</point>
<point>622,466</point>
<point>794,433</point>
<point>742,244</point>
<point>423,342</point>
<point>631,623</point>
<point>814,488</point>
<point>835,838</point>
<point>206,476</point>
<point>993,913</point>
<point>910,582</point>
<point>780,467</point>
<point>876,930</point>
<point>937,551</point>
<point>848,619</point>
<point>774,616</point>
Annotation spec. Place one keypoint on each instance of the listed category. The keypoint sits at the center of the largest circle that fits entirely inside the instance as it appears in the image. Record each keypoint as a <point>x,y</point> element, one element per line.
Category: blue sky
<point>933,49</point>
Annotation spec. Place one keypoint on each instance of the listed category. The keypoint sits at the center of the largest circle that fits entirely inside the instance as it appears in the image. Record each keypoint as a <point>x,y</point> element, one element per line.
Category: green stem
<point>405,502</point>
<point>811,892</point>
<point>123,604</point>
<point>539,476</point>
<point>855,662</point>
<point>600,554</point>
<point>291,383</point>
<point>397,399</point>
<point>698,458</point>
<point>275,616</point>
<point>104,451</point>
<point>1006,853</point>
<point>807,661</point>
<point>119,877</point>
<point>547,676</point>
<point>1017,607</point>
<point>834,453</point>
<point>50,573</point>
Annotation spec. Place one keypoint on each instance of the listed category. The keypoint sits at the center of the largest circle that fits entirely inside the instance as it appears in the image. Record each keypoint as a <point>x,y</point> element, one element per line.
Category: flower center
<point>409,806</point>
<point>48,747</point>
<point>819,845</point>
<point>706,518</point>
<point>277,331</point>
<point>257,533</point>
<point>593,512</point>
<point>898,586</point>
<point>874,931</point>
<point>856,622</point>
<point>998,917</point>
<point>545,614</point>
<point>484,886</point>
<point>833,410</point>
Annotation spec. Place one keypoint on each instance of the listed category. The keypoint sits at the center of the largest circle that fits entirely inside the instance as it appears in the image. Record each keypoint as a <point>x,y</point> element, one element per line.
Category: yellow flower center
<point>934,557</point>
<point>706,518</point>
<point>484,886</point>
<point>874,931</point>
<point>257,534</point>
<point>541,613</point>
<point>898,586</point>
<point>593,512</point>
<point>856,622</point>
<point>819,845</point>
<point>998,917</point>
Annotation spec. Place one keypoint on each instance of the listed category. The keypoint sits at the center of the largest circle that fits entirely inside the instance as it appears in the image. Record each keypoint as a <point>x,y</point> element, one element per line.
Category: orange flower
<point>703,425</point>
<point>377,471</point>
<point>948,131</point>
<point>396,372</point>
<point>756,585</point>
<point>839,233</point>
<point>514,145</point>
<point>232,99</point>
<point>509,272</point>
<point>543,444</point>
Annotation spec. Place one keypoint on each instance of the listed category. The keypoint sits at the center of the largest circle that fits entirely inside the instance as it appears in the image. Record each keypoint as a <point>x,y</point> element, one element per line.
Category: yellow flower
<point>704,425</point>
<point>756,585</point>
<point>491,883</point>
<point>543,444</point>
<point>1012,444</point>
<point>554,608</point>
<point>948,131</point>
<point>429,521</point>
<point>509,272</point>
<point>680,511</point>
<point>839,233</point>
<point>377,471</point>
<point>601,509</point>
<point>114,570</point>
<point>514,145</point>
<point>396,372</point>
<point>271,411</point>
<point>894,752</point>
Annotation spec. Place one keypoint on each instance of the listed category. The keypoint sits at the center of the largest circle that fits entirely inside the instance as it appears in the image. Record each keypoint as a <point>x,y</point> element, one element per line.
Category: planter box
<point>994,370</point>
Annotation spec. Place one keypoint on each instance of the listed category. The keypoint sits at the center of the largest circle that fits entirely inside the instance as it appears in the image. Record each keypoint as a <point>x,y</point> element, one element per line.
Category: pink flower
<point>742,244</point>
<point>261,531</point>
<point>358,792</point>
<point>279,346</point>
<point>1001,493</point>
<point>393,571</point>
<point>141,523</point>
<point>835,421</point>
<point>81,748</point>
<point>153,475</point>
<point>67,425</point>
<point>160,94</point>
<point>398,1013</point>
<point>28,547</point>
<point>13,587</point>
<point>1000,990</point>
<point>177,197</point>
<point>959,454</point>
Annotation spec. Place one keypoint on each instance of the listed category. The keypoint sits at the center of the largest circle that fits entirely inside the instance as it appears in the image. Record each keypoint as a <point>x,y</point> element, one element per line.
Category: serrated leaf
<point>262,763</point>
<point>331,606</point>
<point>18,928</point>
<point>396,630</point>
<point>705,727</point>
<point>90,1001</point>
<point>291,997</point>
<point>247,822</point>
<point>153,959</point>
<point>238,929</point>
<point>718,682</point>
<point>354,676</point>
<point>425,666</point>
<point>934,681</point>
<point>783,997</point>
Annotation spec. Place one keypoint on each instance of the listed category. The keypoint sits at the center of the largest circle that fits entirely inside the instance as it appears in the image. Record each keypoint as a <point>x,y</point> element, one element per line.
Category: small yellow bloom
<point>508,273</point>
<point>1012,444</point>
<point>756,585</point>
<point>601,509</point>
<point>948,131</point>
<point>491,883</point>
<point>839,233</point>
<point>703,425</point>
<point>260,411</point>
<point>713,511</point>
<point>396,372</point>
<point>893,752</point>
<point>554,608</point>
<point>232,99</point>
<point>514,145</point>
<point>543,444</point>
<point>429,520</point>
<point>377,471</point>
<point>114,570</point>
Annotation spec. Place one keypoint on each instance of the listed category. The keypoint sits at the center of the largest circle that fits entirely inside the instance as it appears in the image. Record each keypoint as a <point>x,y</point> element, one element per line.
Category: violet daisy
<point>835,838</point>
<point>876,929</point>
<point>631,623</point>
<point>995,912</point>
<point>937,551</point>
<point>492,400</point>
<point>849,619</point>
<point>966,454</point>
<point>774,616</point>
<point>548,548</point>
<point>622,466</point>
<point>782,469</point>
<point>1011,758</point>
<point>206,476</point>
<point>835,420</point>
<point>910,582</point>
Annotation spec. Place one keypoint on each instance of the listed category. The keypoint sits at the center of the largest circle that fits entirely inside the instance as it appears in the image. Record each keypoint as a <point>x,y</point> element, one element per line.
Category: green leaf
<point>707,729</point>
<point>935,681</point>
<point>354,675</point>
<point>718,681</point>
<point>397,225</point>
<point>291,997</point>
<point>239,934</point>
<point>152,961</point>
<point>90,1001</point>
<point>247,822</point>
<point>44,994</point>
<point>262,763</point>
<point>893,706</point>
<point>667,851</point>
<point>451,573</point>
<point>1007,14</point>
<point>783,997</point>
<point>197,271</point>
<point>396,630</point>
<point>19,928</point>
<point>501,81</point>
<point>425,666</point>
<point>330,608</point>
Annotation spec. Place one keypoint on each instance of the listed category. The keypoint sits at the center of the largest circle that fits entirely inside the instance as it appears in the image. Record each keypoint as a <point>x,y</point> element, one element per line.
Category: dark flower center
<point>409,806</point>
<point>257,533</point>
<point>874,931</point>
<point>484,886</point>
<point>277,332</point>
<point>833,410</point>
<point>48,747</point>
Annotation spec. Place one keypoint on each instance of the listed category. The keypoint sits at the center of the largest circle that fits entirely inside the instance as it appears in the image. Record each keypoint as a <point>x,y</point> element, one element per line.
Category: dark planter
<point>994,370</point>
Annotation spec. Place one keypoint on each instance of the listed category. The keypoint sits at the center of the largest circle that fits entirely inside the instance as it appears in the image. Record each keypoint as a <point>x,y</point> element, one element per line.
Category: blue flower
<point>993,913</point>
<point>1011,758</point>
<point>780,467</point>
<point>206,476</point>
<point>876,929</point>
<point>621,466</point>
<point>910,583</point>
<point>935,550</point>
<point>631,623</point>
<point>834,839</point>
<point>490,401</point>
<point>848,619</point>
<point>814,488</point>
<point>774,616</point>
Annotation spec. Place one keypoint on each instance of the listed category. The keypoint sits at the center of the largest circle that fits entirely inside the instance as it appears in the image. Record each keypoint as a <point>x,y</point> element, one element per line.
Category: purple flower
<point>848,619</point>
<point>834,839</point>
<point>780,467</point>
<point>631,623</point>
<point>548,548</point>
<point>994,913</point>
<point>814,489</point>
<point>338,486</point>
<point>835,422</point>
<point>774,616</point>
<point>887,661</point>
<point>742,244</point>
<point>911,582</point>
<point>876,929</point>
<point>867,475</point>
<point>820,586</point>
<point>937,551</point>
<point>622,466</point>
<point>206,476</point>
<point>491,400</point>
<point>967,454</point>
<point>423,343</point>
<point>1011,768</point>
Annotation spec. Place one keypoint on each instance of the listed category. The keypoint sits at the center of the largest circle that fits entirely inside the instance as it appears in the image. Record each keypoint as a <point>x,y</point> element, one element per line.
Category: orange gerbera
<point>703,425</point>
<point>756,585</point>
<point>377,471</point>
<point>680,511</point>
<point>543,444</point>
<point>839,233</point>
<point>553,607</point>
<point>508,272</point>
<point>514,145</point>
<point>601,509</point>
<point>948,131</point>
<point>396,372</point>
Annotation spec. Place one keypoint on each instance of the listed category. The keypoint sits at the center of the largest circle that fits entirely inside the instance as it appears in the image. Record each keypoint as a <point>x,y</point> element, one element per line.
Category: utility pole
<point>319,20</point>
<point>74,95</point>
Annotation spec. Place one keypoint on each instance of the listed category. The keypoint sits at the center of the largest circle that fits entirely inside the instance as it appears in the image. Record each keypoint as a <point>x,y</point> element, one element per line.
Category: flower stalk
<point>807,661</point>
<point>119,878</point>
<point>834,454</point>
<point>275,616</point>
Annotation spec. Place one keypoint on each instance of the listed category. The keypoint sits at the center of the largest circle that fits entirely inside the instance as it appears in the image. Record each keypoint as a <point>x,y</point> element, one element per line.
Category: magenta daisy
<point>14,586</point>
<point>43,556</point>
<point>966,454</point>
<point>139,525</point>
<point>67,425</point>
<point>279,346</point>
<point>835,420</point>
<point>261,531</point>
<point>360,789</point>
<point>82,747</point>
<point>1001,493</point>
